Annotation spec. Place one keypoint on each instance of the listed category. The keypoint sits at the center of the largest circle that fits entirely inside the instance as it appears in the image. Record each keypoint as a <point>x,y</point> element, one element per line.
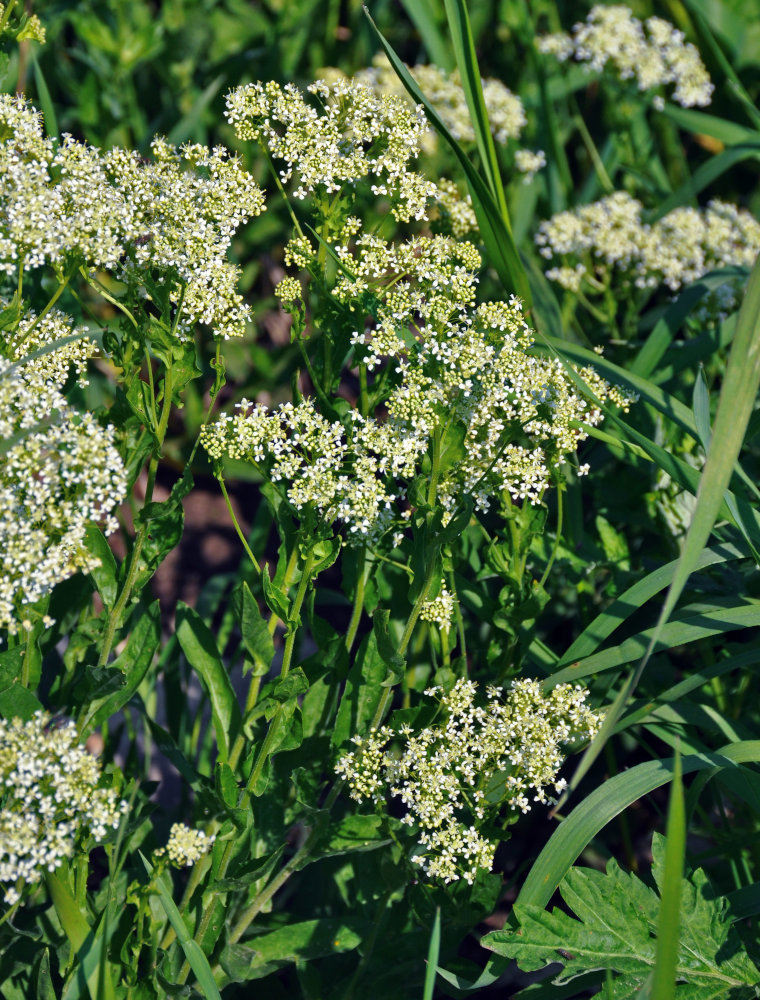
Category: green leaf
<point>617,918</point>
<point>195,957</point>
<point>386,648</point>
<point>296,683</point>
<point>606,802</point>
<point>735,406</point>
<point>133,662</point>
<point>226,785</point>
<point>89,945</point>
<point>276,599</point>
<point>362,692</point>
<point>300,942</point>
<point>104,575</point>
<point>434,950</point>
<point>199,647</point>
<point>254,630</point>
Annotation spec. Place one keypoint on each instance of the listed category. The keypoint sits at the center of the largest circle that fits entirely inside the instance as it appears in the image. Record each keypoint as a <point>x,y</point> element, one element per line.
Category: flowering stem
<point>142,533</point>
<point>555,547</point>
<point>16,343</point>
<point>238,529</point>
<point>7,13</point>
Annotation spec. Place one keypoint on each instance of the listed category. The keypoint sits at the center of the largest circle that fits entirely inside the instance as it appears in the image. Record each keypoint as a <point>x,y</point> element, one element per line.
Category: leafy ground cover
<point>378,500</point>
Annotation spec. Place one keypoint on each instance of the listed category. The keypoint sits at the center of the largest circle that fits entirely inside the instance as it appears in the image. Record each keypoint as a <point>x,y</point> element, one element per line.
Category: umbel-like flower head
<point>67,204</point>
<point>52,801</point>
<point>185,846</point>
<point>481,763</point>
<point>653,53</point>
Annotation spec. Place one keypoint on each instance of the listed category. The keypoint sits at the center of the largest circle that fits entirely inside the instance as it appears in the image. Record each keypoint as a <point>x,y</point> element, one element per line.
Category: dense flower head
<point>185,846</point>
<point>34,333</point>
<point>439,610</point>
<point>608,239</point>
<point>444,362</point>
<point>52,800</point>
<point>482,762</point>
<point>336,134</point>
<point>70,204</point>
<point>59,471</point>
<point>338,475</point>
<point>653,52</point>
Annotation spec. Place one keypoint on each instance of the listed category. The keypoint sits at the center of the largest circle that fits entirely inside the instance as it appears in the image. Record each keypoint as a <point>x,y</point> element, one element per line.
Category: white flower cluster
<point>608,238</point>
<point>440,610</point>
<point>341,134</point>
<point>653,53</point>
<point>71,204</point>
<point>35,332</point>
<point>52,800</point>
<point>344,134</point>
<point>442,359</point>
<point>506,114</point>
<point>59,470</point>
<point>477,764</point>
<point>339,475</point>
<point>185,846</point>
<point>472,363</point>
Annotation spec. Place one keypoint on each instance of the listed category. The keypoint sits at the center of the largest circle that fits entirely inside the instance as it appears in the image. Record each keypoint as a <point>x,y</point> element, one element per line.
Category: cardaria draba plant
<point>475,770</point>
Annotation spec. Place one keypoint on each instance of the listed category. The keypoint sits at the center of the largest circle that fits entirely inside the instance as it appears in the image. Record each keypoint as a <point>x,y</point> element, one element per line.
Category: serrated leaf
<point>614,929</point>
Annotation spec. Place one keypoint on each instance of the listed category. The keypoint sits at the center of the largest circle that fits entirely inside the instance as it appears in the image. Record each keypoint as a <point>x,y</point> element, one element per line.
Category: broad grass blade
<point>434,950</point>
<point>735,406</point>
<point>195,957</point>
<point>668,920</point>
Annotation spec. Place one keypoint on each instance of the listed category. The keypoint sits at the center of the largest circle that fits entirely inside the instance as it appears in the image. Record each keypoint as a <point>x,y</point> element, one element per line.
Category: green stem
<point>7,13</point>
<point>358,608</point>
<point>142,533</point>
<point>257,904</point>
<point>555,547</point>
<point>237,527</point>
<point>295,614</point>
<point>15,343</point>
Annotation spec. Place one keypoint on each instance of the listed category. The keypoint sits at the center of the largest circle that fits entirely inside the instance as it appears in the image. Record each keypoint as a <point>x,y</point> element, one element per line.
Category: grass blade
<point>422,14</point>
<point>634,598</point>
<point>469,73</point>
<point>434,950</point>
<point>668,920</point>
<point>499,242</point>
<point>737,400</point>
<point>195,957</point>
